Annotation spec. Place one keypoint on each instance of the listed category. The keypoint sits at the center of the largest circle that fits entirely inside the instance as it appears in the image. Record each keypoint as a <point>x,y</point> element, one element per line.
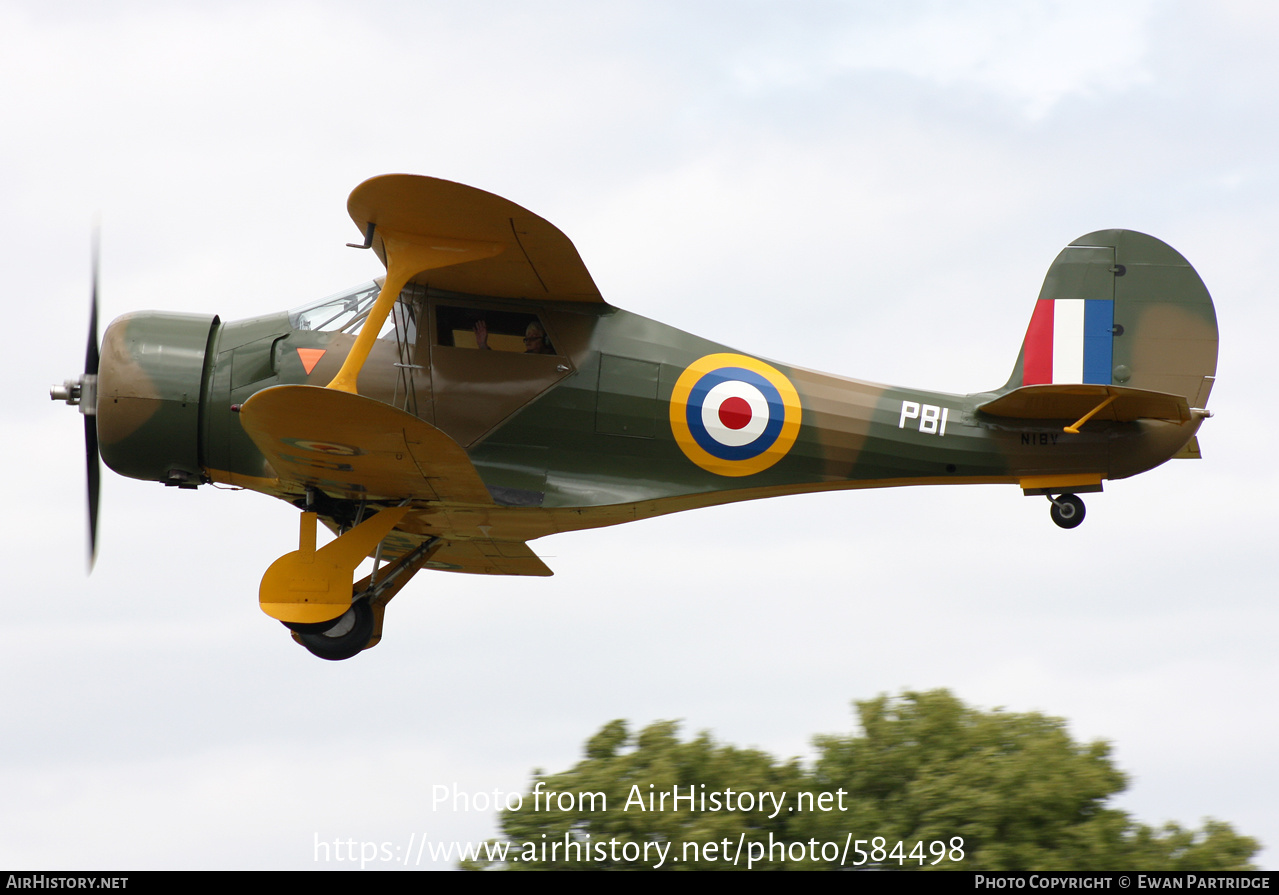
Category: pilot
<point>535,341</point>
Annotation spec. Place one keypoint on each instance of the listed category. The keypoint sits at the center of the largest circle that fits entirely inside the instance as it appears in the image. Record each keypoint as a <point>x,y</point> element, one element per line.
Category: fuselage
<point>597,428</point>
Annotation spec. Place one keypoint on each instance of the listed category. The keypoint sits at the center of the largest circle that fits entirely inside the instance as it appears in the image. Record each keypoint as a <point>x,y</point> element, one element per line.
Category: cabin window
<point>342,312</point>
<point>346,312</point>
<point>481,328</point>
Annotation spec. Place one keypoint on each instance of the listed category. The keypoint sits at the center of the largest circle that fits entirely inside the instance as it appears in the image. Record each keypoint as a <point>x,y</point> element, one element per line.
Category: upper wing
<point>535,260</point>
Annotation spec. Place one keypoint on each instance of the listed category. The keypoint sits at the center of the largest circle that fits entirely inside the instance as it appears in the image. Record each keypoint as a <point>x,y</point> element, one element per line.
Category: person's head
<point>535,339</point>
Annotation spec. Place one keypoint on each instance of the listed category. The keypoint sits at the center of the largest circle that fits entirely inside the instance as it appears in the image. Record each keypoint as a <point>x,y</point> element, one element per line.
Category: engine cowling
<point>152,377</point>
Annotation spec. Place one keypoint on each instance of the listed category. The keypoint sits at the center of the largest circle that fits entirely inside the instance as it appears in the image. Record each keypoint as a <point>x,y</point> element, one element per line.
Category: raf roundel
<point>733,415</point>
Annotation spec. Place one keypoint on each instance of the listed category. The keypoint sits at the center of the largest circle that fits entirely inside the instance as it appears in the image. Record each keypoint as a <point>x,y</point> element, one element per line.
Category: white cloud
<point>1031,55</point>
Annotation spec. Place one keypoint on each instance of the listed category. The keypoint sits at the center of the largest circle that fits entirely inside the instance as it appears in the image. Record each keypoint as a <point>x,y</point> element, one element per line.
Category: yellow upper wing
<point>536,260</point>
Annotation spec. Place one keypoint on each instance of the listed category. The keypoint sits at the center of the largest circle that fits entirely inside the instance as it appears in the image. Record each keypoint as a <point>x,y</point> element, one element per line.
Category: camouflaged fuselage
<point>608,428</point>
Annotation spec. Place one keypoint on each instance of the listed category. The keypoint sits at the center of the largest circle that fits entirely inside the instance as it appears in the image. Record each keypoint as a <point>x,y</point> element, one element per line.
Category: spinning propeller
<point>84,393</point>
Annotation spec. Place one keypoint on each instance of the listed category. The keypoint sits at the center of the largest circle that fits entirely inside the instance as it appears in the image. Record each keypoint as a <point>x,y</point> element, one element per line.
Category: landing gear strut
<point>1067,510</point>
<point>361,625</point>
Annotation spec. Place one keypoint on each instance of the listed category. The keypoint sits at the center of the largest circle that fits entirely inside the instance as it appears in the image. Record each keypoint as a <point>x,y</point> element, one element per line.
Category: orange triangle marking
<point>310,357</point>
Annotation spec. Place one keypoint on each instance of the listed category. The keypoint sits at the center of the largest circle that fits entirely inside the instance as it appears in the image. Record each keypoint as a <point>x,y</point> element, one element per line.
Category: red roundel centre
<point>734,413</point>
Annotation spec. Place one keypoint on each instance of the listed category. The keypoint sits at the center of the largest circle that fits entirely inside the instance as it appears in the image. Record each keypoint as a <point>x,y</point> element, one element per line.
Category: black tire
<point>1067,511</point>
<point>344,637</point>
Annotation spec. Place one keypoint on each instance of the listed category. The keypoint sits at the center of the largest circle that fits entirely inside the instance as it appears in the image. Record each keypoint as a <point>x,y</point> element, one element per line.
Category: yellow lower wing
<point>354,447</point>
<point>488,557</point>
<point>357,448</point>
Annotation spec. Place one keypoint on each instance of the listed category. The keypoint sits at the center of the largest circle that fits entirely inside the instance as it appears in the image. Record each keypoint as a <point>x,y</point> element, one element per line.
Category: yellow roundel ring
<point>733,415</point>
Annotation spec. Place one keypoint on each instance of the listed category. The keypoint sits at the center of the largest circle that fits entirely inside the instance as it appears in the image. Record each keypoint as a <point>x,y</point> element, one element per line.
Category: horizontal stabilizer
<point>1073,402</point>
<point>355,447</point>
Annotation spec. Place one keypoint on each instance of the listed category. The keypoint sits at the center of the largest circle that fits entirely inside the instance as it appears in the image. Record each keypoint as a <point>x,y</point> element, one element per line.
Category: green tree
<point>925,771</point>
<point>1016,787</point>
<point>613,800</point>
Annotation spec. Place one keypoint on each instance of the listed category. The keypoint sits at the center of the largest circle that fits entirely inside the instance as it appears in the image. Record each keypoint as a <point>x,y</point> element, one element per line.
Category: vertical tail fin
<point>1121,308</point>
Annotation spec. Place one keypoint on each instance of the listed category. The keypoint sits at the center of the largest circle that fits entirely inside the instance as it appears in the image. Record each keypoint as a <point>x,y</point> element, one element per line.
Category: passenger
<point>535,341</point>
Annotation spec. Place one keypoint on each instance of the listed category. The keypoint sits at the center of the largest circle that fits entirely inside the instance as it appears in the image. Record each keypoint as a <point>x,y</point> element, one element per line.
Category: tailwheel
<point>341,638</point>
<point>1067,510</point>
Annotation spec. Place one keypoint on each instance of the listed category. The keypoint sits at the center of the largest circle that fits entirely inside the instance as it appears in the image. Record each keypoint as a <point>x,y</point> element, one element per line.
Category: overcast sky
<point>868,189</point>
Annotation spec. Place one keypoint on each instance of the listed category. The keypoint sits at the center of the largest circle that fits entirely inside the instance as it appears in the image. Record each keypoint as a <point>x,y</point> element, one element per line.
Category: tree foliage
<point>629,768</point>
<point>1018,791</point>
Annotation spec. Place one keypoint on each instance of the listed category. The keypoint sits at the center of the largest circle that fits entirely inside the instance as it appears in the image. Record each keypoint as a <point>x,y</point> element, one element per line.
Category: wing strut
<point>407,255</point>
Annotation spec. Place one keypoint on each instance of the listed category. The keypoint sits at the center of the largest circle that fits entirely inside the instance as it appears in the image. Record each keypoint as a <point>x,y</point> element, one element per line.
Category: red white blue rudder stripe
<point>1070,341</point>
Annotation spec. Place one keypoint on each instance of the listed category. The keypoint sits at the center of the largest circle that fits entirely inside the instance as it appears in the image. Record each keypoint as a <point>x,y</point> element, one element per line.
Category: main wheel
<point>1067,510</point>
<point>344,637</point>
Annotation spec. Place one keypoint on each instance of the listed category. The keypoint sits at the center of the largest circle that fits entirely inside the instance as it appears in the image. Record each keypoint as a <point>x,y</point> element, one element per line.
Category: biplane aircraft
<point>483,394</point>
